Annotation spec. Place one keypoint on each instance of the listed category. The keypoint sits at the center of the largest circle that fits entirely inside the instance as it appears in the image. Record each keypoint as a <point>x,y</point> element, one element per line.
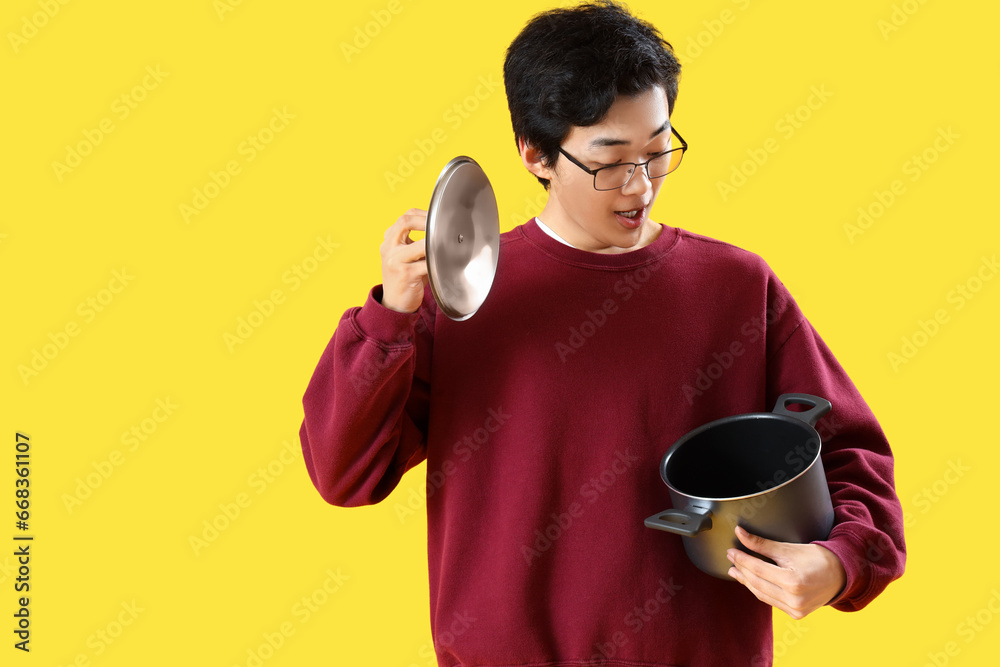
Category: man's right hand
<point>404,263</point>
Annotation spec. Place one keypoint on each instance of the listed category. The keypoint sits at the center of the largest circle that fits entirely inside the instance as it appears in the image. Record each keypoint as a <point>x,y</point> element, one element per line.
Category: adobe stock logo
<point>592,320</point>
<point>974,624</point>
<point>915,167</point>
<point>31,25</point>
<point>102,639</point>
<point>230,511</point>
<point>591,490</point>
<point>753,330</point>
<point>463,449</point>
<point>249,149</point>
<point>637,618</point>
<point>104,468</point>
<point>901,14</point>
<point>122,108</point>
<point>294,277</point>
<point>461,622</point>
<point>787,126</point>
<point>532,207</point>
<point>930,495</point>
<point>223,7</point>
<point>789,638</point>
<point>307,607</point>
<point>959,296</point>
<point>59,340</point>
<point>363,35</point>
<point>713,29</point>
<point>455,116</point>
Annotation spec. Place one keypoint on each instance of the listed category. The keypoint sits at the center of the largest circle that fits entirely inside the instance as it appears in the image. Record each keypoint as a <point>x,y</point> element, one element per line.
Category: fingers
<point>776,551</point>
<point>804,578</point>
<point>398,249</point>
<point>412,252</point>
<point>407,263</point>
<point>414,220</point>
<point>763,546</point>
<point>769,583</point>
<point>763,591</point>
<point>412,277</point>
<point>765,575</point>
<point>404,263</point>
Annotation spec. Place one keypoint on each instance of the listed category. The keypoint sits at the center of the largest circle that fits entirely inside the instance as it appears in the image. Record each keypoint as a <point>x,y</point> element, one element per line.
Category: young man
<point>544,417</point>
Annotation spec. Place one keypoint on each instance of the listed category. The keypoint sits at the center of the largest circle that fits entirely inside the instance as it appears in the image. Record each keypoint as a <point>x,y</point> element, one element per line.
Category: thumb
<point>776,551</point>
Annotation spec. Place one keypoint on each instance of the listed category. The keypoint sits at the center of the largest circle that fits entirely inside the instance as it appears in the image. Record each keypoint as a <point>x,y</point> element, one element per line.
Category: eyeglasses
<point>618,175</point>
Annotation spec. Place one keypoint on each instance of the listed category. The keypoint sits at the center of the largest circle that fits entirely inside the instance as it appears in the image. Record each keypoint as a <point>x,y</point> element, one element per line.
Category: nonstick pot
<point>761,471</point>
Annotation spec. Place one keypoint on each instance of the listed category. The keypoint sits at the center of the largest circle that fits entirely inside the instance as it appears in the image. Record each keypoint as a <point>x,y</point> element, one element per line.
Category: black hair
<point>567,66</point>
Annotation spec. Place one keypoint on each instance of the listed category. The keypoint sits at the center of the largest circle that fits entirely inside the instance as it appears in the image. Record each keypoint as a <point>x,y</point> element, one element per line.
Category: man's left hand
<point>804,578</point>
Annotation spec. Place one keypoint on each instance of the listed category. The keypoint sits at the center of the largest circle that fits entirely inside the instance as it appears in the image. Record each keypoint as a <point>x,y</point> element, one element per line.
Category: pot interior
<point>741,457</point>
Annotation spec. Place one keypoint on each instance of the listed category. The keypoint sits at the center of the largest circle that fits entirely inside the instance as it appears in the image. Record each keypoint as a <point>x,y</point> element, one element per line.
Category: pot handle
<point>687,522</point>
<point>819,407</point>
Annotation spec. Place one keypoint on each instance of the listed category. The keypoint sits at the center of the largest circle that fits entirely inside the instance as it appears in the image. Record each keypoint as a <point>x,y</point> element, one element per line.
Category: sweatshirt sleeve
<point>366,404</point>
<point>867,535</point>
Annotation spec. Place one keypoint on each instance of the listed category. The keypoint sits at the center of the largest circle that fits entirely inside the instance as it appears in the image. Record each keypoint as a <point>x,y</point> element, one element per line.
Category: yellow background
<point>357,114</point>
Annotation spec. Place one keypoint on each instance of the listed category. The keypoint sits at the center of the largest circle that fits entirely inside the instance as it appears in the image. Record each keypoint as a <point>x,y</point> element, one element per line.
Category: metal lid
<point>462,238</point>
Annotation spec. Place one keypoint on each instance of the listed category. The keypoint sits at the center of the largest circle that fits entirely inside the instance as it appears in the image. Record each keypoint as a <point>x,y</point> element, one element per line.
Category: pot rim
<point>751,416</point>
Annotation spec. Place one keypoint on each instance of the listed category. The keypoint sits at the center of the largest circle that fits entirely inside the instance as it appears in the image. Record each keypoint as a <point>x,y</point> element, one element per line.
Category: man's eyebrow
<point>600,142</point>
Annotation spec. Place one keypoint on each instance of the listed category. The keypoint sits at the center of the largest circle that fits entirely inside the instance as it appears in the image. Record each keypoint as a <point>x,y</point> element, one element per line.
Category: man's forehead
<point>604,140</point>
<point>632,120</point>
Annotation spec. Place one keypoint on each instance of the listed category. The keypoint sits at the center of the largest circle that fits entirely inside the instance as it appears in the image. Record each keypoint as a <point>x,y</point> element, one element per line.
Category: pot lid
<point>462,238</point>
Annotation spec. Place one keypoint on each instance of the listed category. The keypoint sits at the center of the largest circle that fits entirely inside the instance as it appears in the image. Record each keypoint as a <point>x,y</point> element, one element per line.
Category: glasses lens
<point>612,178</point>
<point>664,164</point>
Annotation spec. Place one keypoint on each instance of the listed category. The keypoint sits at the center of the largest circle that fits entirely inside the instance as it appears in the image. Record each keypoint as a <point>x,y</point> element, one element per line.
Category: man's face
<point>634,130</point>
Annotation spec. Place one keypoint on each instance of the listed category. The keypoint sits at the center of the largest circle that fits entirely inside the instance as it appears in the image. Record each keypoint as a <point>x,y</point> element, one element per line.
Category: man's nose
<point>639,183</point>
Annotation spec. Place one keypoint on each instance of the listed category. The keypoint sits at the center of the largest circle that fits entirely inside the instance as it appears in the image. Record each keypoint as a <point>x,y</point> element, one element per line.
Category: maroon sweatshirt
<point>543,420</point>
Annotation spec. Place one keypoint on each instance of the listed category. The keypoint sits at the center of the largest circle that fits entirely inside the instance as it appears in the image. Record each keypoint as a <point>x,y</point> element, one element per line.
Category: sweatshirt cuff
<point>384,326</point>
<point>852,556</point>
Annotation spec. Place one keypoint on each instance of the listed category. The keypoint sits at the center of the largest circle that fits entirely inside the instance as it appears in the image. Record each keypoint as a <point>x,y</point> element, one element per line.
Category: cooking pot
<point>761,471</point>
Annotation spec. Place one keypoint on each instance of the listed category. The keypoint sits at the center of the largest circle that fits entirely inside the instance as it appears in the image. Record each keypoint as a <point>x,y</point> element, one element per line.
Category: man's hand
<point>404,263</point>
<point>804,578</point>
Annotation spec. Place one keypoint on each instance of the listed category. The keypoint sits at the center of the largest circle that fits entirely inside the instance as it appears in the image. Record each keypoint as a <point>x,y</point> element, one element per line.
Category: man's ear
<point>531,158</point>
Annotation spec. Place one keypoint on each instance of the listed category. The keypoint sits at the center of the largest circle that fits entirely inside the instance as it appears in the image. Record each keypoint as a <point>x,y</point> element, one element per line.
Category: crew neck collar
<point>661,245</point>
<point>548,230</point>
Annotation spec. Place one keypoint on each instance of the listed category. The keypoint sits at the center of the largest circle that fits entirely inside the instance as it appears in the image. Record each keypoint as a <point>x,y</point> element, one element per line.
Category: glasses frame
<point>593,172</point>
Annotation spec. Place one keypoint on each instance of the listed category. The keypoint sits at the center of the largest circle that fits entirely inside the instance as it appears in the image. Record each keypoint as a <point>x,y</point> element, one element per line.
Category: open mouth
<point>631,219</point>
